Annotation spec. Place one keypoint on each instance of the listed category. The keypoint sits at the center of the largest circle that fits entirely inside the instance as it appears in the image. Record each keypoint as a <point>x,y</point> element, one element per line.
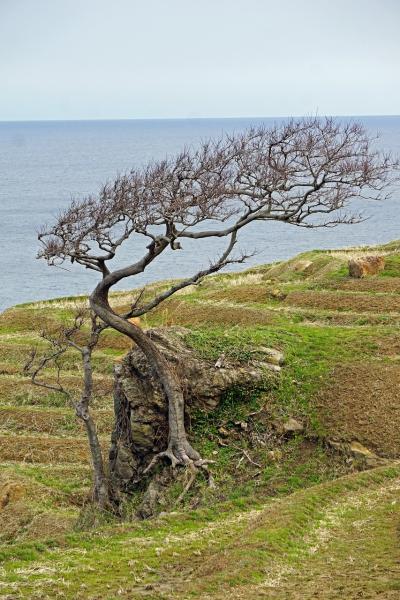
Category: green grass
<point>67,481</point>
<point>245,548</point>
<point>392,266</point>
<point>310,353</point>
<point>272,492</point>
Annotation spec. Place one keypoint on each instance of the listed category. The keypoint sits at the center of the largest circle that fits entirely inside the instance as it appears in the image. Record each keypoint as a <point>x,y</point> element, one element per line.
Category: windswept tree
<point>304,173</point>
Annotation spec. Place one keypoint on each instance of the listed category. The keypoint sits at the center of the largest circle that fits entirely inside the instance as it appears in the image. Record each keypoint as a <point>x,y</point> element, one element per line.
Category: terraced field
<point>292,516</point>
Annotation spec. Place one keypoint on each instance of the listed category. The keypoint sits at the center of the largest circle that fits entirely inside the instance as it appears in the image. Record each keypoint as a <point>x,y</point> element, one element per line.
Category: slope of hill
<point>294,515</point>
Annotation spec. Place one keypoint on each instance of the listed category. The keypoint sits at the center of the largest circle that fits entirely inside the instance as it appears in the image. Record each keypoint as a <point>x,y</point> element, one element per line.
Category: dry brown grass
<point>50,421</point>
<point>329,317</point>
<point>244,279</point>
<point>344,301</point>
<point>241,294</point>
<point>20,391</point>
<point>378,284</point>
<point>14,356</point>
<point>13,387</point>
<point>181,313</point>
<point>22,521</point>
<point>109,340</point>
<point>20,319</point>
<point>35,449</point>
<point>358,252</point>
<point>30,510</point>
<point>46,524</point>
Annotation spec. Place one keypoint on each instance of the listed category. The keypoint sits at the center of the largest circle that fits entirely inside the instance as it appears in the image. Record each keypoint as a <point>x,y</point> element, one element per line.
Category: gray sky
<point>93,59</point>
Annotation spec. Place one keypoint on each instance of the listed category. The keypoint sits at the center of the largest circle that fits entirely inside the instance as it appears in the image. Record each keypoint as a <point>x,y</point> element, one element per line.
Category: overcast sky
<point>94,59</point>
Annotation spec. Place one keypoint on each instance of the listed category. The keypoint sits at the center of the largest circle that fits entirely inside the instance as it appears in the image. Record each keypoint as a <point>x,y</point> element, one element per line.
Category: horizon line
<point>104,119</point>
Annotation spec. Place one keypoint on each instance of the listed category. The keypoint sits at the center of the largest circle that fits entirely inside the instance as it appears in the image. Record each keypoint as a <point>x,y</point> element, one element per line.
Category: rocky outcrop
<point>355,451</point>
<point>141,428</point>
<point>366,265</point>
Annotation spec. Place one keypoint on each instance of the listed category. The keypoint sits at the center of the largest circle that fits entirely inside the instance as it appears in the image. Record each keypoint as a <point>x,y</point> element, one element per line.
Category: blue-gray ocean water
<point>44,164</point>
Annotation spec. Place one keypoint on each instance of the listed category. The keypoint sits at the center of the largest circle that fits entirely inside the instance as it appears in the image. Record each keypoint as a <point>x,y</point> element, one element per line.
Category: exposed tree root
<point>193,473</point>
<point>185,456</point>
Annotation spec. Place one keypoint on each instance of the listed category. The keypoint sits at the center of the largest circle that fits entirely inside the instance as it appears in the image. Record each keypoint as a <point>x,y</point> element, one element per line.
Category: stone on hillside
<point>301,266</point>
<point>220,362</point>
<point>135,321</point>
<point>376,461</point>
<point>370,458</point>
<point>361,451</point>
<point>272,356</point>
<point>140,404</point>
<point>366,265</point>
<point>292,425</point>
<point>277,294</point>
<point>337,445</point>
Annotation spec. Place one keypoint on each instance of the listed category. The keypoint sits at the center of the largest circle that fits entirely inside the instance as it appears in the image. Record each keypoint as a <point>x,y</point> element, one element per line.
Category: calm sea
<point>45,164</point>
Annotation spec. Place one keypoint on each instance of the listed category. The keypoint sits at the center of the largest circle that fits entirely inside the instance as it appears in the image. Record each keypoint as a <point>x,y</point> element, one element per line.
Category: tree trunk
<point>100,483</point>
<point>179,450</point>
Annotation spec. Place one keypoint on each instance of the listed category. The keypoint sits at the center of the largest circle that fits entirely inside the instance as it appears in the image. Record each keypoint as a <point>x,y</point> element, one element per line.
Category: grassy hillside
<point>293,515</point>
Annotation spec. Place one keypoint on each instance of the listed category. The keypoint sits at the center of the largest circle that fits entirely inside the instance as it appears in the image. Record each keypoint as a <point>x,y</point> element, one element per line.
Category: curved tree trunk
<point>179,450</point>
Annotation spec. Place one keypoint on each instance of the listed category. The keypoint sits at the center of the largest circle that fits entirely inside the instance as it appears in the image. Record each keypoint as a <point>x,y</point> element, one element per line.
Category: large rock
<point>141,409</point>
<point>366,265</point>
<point>10,492</point>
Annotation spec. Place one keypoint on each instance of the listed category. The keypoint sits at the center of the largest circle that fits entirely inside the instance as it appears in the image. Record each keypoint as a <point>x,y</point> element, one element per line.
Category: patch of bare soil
<point>388,345</point>
<point>361,402</point>
<point>345,301</point>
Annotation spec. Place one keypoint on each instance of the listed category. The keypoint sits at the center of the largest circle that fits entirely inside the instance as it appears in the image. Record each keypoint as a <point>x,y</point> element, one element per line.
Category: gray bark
<point>100,484</point>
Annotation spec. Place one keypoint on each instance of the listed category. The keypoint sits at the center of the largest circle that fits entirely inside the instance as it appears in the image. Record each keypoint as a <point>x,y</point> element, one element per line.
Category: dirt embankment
<point>361,302</point>
<point>360,402</point>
